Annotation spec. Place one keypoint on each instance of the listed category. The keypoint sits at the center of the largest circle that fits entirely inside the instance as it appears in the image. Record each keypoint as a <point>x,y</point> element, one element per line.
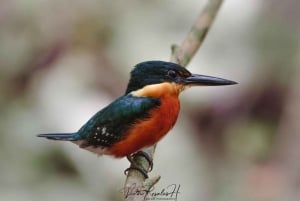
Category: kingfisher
<point>142,116</point>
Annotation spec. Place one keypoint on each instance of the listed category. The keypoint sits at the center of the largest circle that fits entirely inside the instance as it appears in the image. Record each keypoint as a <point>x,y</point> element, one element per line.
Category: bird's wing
<point>109,125</point>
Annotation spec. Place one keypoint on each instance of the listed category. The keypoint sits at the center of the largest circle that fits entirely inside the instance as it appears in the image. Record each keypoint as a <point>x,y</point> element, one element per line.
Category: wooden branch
<point>136,185</point>
<point>183,54</point>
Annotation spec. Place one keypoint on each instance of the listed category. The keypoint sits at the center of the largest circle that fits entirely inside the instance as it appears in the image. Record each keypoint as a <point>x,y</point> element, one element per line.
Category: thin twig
<point>183,54</point>
<point>136,186</point>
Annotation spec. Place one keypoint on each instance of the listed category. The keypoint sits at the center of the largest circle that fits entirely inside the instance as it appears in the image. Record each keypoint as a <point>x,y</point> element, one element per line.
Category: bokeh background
<point>61,61</point>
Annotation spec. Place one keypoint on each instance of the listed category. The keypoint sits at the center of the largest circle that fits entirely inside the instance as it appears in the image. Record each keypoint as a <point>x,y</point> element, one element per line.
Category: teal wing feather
<point>111,123</point>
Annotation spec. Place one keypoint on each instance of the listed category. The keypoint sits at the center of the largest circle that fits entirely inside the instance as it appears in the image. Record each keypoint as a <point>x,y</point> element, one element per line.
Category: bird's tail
<point>60,136</point>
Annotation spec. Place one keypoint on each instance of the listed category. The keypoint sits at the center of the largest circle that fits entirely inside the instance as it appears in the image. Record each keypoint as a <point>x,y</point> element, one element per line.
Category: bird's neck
<point>160,90</point>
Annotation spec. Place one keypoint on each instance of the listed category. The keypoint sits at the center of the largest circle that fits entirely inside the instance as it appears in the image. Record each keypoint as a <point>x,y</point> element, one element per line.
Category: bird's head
<point>158,78</point>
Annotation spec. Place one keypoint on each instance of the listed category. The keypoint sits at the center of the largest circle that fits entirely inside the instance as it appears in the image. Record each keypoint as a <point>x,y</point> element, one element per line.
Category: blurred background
<point>62,61</point>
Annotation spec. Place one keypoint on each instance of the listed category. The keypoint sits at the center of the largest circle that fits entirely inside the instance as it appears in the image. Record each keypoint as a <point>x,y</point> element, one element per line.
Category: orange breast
<point>147,133</point>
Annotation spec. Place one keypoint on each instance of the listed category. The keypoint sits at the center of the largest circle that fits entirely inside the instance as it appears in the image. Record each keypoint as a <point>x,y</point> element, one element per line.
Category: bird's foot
<point>147,157</point>
<point>137,167</point>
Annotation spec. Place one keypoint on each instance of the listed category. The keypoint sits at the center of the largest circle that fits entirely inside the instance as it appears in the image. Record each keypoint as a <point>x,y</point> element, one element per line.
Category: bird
<point>142,116</point>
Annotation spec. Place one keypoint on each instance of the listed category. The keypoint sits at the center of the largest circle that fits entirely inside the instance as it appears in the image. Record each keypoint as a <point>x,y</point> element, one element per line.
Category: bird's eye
<point>172,74</point>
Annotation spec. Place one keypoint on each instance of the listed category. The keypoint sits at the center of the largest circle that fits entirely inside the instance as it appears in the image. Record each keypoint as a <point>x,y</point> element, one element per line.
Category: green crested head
<point>155,72</point>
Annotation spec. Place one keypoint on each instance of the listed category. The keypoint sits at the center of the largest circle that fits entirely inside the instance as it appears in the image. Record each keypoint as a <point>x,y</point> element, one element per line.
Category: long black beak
<point>198,80</point>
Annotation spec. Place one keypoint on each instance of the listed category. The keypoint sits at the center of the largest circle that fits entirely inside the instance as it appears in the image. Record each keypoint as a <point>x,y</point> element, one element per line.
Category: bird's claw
<point>147,157</point>
<point>136,167</point>
<point>141,170</point>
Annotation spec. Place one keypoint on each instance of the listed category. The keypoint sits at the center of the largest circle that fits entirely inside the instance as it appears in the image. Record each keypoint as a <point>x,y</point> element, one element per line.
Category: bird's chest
<point>163,118</point>
<point>147,132</point>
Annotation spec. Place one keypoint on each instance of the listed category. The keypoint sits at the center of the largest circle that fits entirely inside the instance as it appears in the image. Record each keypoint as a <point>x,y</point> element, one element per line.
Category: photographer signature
<point>170,192</point>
